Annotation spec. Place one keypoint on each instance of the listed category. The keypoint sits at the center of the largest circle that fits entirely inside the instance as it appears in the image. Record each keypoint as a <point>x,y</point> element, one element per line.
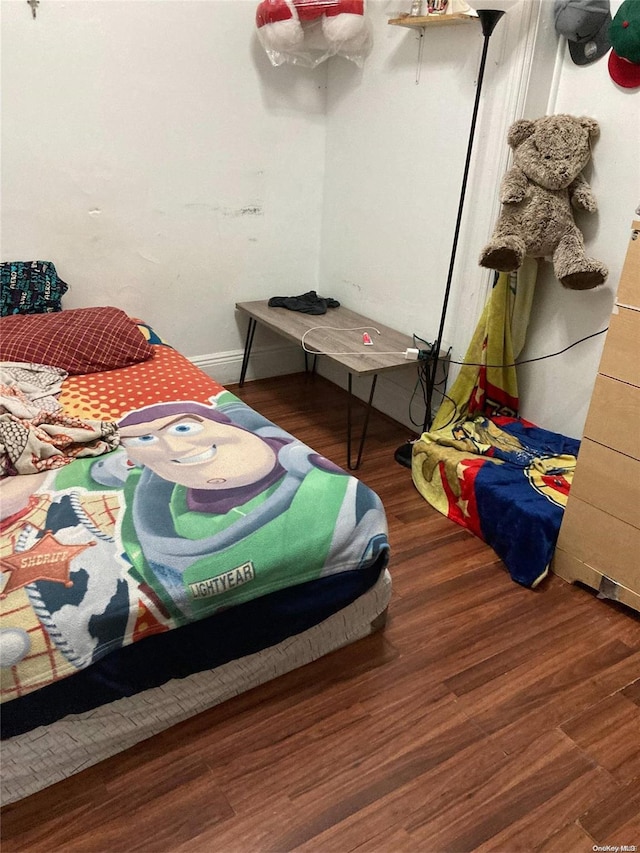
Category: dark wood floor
<point>485,717</point>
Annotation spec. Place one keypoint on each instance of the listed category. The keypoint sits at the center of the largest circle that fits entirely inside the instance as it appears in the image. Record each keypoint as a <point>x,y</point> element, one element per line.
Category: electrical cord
<point>536,358</point>
<point>336,329</point>
<point>454,412</point>
<point>450,361</point>
<point>454,405</point>
<point>426,355</point>
<point>421,382</point>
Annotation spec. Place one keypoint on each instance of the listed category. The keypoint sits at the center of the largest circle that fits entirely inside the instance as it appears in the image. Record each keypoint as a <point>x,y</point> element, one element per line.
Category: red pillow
<point>79,340</point>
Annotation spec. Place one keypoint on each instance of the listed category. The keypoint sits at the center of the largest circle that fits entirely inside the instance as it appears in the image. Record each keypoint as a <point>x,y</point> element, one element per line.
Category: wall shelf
<point>418,21</point>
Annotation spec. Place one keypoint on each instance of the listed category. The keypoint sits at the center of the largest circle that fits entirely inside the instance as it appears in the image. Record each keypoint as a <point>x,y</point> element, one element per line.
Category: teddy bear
<point>281,23</point>
<point>537,195</point>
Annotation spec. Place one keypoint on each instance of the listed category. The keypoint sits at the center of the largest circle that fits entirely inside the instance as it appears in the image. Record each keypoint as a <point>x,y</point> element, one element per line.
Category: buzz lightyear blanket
<point>205,505</point>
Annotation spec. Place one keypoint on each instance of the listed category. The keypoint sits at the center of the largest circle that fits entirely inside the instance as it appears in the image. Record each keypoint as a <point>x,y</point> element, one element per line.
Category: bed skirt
<point>49,754</point>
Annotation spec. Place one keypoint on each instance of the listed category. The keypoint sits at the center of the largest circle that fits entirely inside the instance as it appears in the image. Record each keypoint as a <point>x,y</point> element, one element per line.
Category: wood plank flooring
<point>486,717</point>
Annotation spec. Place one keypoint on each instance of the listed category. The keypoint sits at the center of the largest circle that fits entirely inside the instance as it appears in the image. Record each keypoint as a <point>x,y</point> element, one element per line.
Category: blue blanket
<point>503,479</point>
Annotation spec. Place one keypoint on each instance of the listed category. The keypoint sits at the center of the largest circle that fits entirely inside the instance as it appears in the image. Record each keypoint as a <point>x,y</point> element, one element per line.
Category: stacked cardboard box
<point>599,541</point>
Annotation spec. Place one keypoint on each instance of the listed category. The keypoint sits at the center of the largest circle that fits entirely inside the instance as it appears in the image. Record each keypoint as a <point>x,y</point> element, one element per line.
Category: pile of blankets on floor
<point>503,478</point>
<point>35,435</point>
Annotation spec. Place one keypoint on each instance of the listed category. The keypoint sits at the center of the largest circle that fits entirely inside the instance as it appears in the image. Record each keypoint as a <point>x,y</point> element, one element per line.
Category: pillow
<point>30,287</point>
<point>79,340</point>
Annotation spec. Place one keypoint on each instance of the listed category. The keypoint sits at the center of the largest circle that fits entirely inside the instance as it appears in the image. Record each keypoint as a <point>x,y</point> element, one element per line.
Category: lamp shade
<point>493,5</point>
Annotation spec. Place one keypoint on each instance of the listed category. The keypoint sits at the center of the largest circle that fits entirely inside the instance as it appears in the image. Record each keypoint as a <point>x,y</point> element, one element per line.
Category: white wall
<point>397,136</point>
<point>151,151</point>
<point>556,392</point>
<point>395,155</point>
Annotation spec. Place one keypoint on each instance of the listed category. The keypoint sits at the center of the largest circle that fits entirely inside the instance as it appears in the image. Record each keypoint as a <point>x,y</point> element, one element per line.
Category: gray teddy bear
<point>537,195</point>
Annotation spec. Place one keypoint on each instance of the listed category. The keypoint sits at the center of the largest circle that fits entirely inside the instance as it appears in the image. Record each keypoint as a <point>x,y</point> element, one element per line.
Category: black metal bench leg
<point>365,425</point>
<point>247,349</point>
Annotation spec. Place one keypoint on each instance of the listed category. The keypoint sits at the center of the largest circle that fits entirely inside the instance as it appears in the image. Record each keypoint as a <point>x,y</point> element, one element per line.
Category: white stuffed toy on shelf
<point>306,32</point>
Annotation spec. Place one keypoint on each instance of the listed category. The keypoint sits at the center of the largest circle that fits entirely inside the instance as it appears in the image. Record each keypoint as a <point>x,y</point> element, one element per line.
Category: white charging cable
<point>408,353</point>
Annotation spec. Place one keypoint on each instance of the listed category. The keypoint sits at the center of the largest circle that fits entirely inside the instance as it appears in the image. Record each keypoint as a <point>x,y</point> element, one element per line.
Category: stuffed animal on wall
<point>281,23</point>
<point>537,195</point>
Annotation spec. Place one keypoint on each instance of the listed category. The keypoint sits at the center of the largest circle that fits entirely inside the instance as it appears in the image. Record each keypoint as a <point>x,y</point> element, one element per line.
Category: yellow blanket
<point>504,479</point>
<point>482,387</point>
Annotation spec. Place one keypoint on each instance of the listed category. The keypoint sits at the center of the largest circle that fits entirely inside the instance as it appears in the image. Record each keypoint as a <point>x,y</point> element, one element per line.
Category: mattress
<point>209,552</point>
<point>49,754</point>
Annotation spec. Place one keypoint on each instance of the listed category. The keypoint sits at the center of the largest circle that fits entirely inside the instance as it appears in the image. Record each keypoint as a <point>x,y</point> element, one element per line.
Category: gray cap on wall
<point>585,25</point>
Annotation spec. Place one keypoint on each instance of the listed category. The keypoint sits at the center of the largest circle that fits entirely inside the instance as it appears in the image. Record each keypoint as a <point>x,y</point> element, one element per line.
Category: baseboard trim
<point>265,362</point>
<point>394,390</point>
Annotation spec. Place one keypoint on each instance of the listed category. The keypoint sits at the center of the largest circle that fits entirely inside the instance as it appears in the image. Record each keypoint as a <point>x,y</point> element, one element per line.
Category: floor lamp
<point>488,18</point>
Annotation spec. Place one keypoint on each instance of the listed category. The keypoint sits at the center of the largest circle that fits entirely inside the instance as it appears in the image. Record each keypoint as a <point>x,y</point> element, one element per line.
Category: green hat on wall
<point>624,34</point>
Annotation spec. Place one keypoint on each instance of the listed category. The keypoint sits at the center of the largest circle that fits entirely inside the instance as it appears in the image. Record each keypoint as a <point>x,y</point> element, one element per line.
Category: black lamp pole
<point>488,18</point>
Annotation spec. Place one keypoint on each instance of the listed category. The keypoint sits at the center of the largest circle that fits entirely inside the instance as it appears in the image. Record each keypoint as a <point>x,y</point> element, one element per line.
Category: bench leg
<point>247,349</point>
<point>365,426</point>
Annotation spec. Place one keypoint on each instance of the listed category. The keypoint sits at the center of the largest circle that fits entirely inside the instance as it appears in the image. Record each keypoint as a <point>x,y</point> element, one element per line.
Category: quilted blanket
<point>34,434</point>
<point>27,389</point>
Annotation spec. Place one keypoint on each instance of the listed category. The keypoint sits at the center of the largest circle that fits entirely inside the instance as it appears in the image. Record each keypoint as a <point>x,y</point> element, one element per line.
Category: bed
<point>181,550</point>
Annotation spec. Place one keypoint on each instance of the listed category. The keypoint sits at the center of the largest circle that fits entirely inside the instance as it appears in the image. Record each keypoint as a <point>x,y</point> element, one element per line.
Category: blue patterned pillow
<point>30,287</point>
